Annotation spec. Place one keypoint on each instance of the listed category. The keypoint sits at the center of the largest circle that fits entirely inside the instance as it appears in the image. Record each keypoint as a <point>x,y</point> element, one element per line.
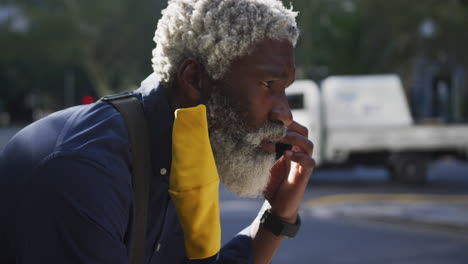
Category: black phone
<point>281,148</point>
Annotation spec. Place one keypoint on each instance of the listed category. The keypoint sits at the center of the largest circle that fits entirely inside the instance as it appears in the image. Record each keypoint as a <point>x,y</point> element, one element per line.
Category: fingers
<point>299,140</point>
<point>296,127</point>
<point>279,173</point>
<point>302,159</point>
<point>305,169</point>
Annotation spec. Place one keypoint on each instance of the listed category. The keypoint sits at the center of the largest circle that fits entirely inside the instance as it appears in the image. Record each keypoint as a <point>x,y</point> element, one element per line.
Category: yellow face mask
<point>194,183</point>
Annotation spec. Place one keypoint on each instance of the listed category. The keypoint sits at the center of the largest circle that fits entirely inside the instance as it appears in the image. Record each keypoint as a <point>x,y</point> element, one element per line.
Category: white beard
<point>243,167</point>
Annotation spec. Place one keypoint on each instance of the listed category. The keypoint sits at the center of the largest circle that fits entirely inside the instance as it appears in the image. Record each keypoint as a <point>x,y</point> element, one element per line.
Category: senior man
<point>66,194</point>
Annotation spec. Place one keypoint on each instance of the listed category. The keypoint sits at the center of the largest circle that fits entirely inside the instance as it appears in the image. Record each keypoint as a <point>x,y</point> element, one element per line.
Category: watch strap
<point>278,227</point>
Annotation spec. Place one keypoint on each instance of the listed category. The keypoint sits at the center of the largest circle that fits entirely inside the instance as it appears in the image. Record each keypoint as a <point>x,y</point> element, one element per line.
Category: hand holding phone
<point>281,148</point>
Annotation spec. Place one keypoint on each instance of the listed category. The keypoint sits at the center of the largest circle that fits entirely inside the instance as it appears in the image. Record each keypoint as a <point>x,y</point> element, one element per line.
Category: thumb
<point>278,174</point>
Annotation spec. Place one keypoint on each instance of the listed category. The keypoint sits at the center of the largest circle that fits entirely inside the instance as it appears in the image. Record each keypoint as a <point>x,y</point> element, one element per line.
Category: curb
<point>449,212</point>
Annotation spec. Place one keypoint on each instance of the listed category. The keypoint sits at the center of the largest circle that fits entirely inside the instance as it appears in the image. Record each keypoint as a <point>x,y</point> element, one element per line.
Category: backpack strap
<point>132,111</point>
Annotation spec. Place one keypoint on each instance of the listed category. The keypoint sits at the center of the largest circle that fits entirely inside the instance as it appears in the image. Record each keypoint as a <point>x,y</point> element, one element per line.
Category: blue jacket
<point>66,193</point>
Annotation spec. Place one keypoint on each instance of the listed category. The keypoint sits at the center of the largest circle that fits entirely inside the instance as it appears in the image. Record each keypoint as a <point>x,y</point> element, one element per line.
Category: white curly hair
<point>216,32</point>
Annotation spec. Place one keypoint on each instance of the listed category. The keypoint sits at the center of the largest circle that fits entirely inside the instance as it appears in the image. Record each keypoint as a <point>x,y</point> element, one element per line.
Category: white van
<point>366,120</point>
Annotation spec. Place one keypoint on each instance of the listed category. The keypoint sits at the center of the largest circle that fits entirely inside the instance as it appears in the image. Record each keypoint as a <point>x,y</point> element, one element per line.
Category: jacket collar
<point>155,100</point>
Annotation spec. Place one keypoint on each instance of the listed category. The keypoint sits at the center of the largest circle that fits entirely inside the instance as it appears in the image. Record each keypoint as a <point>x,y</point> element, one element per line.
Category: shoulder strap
<point>132,111</point>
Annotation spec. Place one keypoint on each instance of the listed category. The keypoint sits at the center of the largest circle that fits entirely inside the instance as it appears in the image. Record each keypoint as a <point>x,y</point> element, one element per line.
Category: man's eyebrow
<point>273,73</point>
<point>282,76</point>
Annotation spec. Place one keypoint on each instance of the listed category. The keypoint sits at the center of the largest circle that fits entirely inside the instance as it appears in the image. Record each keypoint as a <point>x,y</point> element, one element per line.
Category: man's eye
<point>268,84</point>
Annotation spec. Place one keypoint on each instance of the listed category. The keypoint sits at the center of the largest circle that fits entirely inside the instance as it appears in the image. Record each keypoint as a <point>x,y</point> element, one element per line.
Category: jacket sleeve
<point>236,251</point>
<point>73,211</point>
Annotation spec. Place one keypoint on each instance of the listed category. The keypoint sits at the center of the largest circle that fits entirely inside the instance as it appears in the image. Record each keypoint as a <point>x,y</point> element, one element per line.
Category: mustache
<point>270,131</point>
<point>228,117</point>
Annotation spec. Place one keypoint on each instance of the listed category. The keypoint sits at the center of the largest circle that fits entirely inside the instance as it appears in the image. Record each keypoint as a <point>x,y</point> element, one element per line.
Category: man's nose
<point>281,111</point>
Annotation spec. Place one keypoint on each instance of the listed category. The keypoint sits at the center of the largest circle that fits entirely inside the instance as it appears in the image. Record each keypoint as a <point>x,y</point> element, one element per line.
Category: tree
<point>375,36</point>
<point>106,44</point>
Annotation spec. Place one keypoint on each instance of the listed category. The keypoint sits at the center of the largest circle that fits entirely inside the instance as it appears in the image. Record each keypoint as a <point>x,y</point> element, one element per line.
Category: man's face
<point>247,112</point>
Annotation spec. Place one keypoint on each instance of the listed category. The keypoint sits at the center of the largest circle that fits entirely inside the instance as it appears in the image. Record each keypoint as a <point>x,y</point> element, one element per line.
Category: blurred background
<point>56,54</point>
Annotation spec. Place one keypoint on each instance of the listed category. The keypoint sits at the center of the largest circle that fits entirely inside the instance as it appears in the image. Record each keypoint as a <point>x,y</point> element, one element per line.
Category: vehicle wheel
<point>408,169</point>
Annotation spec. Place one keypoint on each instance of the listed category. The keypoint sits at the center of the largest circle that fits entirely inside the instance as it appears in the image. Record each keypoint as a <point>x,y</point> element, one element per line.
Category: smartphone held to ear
<point>281,148</point>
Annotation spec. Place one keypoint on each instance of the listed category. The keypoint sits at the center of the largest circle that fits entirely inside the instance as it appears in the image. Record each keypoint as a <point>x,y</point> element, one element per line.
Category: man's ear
<point>189,79</point>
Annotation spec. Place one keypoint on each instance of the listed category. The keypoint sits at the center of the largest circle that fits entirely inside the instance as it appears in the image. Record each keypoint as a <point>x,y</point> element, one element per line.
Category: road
<point>351,240</point>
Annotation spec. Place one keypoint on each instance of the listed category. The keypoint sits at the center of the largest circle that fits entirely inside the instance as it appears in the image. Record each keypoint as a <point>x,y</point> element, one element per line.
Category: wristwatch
<point>277,226</point>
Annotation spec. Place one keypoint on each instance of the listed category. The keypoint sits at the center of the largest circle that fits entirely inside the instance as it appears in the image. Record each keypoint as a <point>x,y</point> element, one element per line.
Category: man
<point>66,193</point>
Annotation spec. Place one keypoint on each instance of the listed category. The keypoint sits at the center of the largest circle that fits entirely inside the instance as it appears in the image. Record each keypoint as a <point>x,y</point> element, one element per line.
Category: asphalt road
<point>345,240</point>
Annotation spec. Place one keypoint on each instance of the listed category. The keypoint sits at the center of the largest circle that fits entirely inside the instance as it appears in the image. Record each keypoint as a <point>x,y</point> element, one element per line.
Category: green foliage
<point>376,36</point>
<point>106,44</point>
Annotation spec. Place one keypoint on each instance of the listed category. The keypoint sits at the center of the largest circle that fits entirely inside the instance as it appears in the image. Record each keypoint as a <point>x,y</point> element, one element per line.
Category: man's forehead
<point>272,48</point>
<point>272,57</point>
